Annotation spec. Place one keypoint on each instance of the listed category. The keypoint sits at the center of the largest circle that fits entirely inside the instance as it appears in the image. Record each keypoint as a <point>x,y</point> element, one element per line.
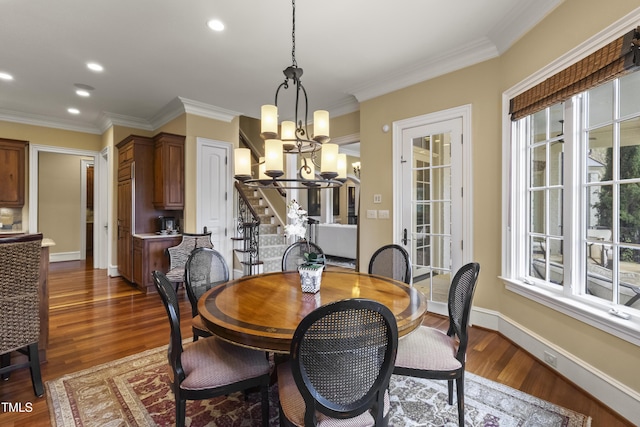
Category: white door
<point>214,203</point>
<point>431,200</point>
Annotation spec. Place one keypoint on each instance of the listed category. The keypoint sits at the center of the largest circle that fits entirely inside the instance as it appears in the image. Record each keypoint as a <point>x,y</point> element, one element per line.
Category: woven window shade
<point>618,57</point>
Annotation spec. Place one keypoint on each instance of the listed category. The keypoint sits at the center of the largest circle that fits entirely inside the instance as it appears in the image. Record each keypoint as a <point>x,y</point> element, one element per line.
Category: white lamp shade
<point>261,169</point>
<point>329,158</point>
<point>269,119</point>
<point>320,123</point>
<point>307,175</point>
<point>273,156</point>
<point>342,166</point>
<point>242,161</point>
<point>288,131</point>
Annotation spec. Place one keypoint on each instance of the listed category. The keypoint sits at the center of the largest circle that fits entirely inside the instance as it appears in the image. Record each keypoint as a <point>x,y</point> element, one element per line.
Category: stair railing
<point>248,231</point>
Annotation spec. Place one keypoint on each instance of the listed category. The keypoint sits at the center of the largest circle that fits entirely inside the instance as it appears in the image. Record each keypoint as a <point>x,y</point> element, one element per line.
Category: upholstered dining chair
<point>391,261</point>
<point>340,365</point>
<point>205,269</point>
<point>179,254</point>
<point>19,305</point>
<point>294,254</point>
<point>430,353</point>
<point>209,367</point>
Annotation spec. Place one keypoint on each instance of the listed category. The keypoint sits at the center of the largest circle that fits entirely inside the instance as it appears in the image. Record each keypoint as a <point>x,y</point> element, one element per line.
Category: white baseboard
<point>64,256</point>
<point>112,271</point>
<point>601,386</point>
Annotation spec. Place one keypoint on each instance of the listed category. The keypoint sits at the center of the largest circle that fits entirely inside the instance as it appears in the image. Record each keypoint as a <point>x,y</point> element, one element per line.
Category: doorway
<point>433,198</point>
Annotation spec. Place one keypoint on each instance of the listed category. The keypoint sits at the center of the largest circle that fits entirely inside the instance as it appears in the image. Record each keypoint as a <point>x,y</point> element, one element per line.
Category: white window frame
<point>566,300</point>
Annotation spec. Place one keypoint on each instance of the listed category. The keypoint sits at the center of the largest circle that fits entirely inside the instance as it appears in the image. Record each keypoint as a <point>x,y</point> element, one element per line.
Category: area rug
<point>134,391</point>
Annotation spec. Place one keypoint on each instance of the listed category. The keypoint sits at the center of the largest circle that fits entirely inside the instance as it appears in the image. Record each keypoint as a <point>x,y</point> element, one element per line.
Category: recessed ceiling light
<point>93,66</point>
<point>73,110</point>
<point>83,93</point>
<point>215,25</point>
<point>6,76</point>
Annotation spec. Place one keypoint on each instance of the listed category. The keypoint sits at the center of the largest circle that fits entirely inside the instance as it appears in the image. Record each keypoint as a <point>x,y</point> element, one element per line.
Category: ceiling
<point>160,59</point>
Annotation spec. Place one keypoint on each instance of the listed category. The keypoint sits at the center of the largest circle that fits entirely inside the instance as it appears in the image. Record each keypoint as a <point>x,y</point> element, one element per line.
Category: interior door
<point>214,203</point>
<point>431,203</point>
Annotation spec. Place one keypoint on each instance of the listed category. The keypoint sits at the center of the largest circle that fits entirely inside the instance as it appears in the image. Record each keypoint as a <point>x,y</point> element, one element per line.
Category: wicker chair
<point>342,357</point>
<point>294,255</point>
<point>430,353</point>
<point>209,367</point>
<point>205,269</point>
<point>179,254</point>
<point>391,261</point>
<point>19,305</point>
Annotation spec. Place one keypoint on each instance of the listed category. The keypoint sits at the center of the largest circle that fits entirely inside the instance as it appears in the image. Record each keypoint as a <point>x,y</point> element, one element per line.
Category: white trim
<point>65,256</point>
<point>604,388</point>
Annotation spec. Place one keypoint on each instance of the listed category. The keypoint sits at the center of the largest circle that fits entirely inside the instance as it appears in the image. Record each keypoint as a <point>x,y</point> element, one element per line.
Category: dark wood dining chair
<point>293,256</point>
<point>341,360</point>
<point>205,269</point>
<point>391,261</point>
<point>19,305</point>
<point>209,367</point>
<point>430,353</point>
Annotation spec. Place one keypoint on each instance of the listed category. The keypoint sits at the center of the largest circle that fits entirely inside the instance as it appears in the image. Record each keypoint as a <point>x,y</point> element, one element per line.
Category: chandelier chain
<point>293,36</point>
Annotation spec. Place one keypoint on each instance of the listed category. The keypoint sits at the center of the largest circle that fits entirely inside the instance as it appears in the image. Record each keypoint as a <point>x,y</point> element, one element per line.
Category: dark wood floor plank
<point>96,319</point>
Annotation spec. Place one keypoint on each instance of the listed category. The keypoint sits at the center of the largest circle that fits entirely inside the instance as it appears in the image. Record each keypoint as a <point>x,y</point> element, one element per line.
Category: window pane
<point>555,212</point>
<point>630,94</point>
<point>601,207</point>
<point>539,126</point>
<point>629,279</point>
<point>556,261</point>
<point>556,157</point>
<point>630,149</point>
<point>537,211</point>
<point>538,256</point>
<point>601,104</point>
<point>630,213</point>
<point>556,119</point>
<point>599,274</point>
<point>538,165</point>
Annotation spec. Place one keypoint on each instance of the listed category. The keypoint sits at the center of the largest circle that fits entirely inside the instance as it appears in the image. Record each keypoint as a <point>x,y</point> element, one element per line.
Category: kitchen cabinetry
<point>136,213</point>
<point>168,190</point>
<point>12,172</point>
<point>149,254</point>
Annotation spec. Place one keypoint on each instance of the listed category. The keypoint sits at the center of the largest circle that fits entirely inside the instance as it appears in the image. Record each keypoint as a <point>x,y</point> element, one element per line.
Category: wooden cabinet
<point>168,190</point>
<point>136,213</point>
<point>12,173</point>
<point>149,254</point>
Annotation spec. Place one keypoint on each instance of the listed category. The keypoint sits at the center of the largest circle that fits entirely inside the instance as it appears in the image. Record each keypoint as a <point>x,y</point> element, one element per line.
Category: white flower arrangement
<point>298,224</point>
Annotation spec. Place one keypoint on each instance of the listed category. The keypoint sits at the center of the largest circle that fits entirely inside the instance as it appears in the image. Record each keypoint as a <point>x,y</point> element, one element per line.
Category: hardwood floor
<point>96,319</point>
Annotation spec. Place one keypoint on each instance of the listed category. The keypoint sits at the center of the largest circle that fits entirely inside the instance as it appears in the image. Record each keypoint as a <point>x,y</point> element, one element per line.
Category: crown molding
<point>477,51</point>
<point>519,21</point>
<point>108,120</point>
<point>45,121</point>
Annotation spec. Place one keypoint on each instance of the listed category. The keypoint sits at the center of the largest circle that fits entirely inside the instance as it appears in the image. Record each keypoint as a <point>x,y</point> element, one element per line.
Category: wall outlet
<point>550,359</point>
<point>383,214</point>
<point>372,214</point>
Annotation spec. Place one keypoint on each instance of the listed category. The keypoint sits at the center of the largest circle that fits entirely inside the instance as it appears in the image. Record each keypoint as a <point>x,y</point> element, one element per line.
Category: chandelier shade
<point>293,137</point>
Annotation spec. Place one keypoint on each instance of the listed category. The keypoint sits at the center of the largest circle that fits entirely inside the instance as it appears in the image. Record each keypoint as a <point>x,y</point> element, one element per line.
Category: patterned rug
<point>134,391</point>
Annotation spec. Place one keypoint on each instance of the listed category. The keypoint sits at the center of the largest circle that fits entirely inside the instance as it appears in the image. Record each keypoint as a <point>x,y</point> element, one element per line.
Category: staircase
<point>259,240</point>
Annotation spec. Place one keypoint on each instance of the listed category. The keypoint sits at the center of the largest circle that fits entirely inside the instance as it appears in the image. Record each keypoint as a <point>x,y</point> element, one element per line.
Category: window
<point>575,206</point>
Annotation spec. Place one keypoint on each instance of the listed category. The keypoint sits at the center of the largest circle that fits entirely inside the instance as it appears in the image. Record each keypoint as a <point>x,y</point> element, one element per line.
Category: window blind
<point>616,58</point>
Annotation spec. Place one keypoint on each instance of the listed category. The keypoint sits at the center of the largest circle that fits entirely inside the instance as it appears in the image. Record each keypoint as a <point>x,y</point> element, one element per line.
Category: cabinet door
<point>12,171</point>
<point>169,172</point>
<point>124,230</point>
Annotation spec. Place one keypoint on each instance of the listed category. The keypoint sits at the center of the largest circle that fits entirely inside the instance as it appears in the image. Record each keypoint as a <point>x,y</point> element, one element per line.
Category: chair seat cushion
<point>428,349</point>
<point>293,407</point>
<point>211,362</point>
<point>175,275</point>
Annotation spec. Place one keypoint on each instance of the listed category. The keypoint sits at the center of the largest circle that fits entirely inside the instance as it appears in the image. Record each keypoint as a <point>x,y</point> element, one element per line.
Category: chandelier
<point>294,138</point>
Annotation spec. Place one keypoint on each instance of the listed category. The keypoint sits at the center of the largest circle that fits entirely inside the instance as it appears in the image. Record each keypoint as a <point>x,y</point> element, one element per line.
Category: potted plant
<point>311,270</point>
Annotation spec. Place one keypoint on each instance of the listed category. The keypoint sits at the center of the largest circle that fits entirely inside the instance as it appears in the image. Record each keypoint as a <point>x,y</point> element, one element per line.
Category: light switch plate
<point>372,214</point>
<point>377,198</point>
<point>383,214</point>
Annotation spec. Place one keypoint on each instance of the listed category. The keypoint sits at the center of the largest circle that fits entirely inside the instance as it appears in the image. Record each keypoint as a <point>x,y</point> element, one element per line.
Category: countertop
<point>155,235</point>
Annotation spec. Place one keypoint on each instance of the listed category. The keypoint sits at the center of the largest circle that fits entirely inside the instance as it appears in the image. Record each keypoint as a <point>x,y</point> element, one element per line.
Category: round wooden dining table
<point>263,311</point>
